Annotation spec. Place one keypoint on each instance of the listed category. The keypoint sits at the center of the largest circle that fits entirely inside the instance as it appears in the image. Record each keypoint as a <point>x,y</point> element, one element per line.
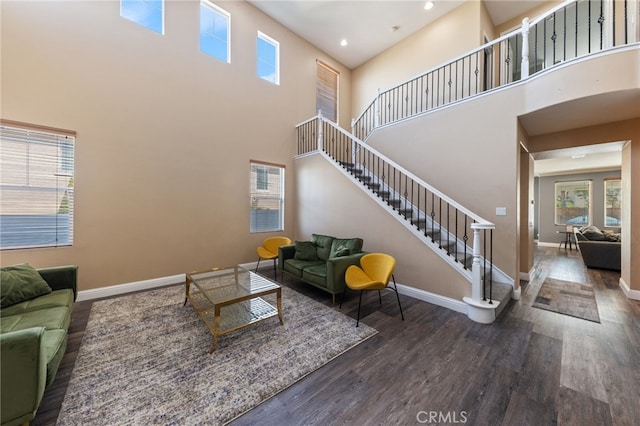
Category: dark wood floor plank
<point>530,367</point>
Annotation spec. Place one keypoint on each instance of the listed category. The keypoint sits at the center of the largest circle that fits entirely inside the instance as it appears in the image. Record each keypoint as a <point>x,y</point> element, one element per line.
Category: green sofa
<point>321,262</point>
<point>34,319</point>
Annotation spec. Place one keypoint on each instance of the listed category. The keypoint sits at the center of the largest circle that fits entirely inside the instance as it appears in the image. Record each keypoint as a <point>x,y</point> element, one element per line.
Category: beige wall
<point>329,203</point>
<point>532,14</point>
<point>165,133</point>
<point>454,34</point>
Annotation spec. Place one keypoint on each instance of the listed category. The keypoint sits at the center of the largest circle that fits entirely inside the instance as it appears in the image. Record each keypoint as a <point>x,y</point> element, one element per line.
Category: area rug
<point>144,360</point>
<point>568,298</point>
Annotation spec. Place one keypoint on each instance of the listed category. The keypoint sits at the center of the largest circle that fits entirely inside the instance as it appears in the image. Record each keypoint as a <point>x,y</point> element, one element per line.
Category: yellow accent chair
<point>374,273</point>
<point>269,250</point>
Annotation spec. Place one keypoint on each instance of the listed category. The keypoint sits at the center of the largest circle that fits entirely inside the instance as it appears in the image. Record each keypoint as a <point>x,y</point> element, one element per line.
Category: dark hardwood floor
<point>437,367</point>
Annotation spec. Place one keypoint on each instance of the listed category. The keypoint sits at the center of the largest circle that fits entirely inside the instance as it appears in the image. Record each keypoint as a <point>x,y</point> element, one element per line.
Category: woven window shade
<point>327,92</point>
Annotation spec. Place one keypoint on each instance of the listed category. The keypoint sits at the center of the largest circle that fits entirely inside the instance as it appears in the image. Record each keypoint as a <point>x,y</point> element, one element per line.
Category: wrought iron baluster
<point>601,22</point>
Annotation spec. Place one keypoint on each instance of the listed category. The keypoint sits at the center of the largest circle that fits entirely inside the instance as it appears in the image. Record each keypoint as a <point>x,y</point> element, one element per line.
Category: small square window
<point>214,31</point>
<point>268,58</point>
<point>148,13</point>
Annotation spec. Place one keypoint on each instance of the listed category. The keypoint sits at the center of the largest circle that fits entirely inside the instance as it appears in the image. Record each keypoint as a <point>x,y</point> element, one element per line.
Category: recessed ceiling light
<point>429,5</point>
<point>578,156</point>
<point>343,42</point>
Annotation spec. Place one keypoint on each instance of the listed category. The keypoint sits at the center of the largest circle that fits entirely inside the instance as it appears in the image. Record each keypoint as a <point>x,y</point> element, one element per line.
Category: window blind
<point>327,92</point>
<point>36,188</point>
<point>266,197</point>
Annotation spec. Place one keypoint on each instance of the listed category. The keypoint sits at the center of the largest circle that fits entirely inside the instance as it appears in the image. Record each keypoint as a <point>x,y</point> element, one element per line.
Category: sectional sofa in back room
<point>322,261</point>
<point>35,315</point>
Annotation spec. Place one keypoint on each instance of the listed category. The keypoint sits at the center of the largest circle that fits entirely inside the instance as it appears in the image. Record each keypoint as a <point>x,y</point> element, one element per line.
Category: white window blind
<point>327,92</point>
<point>266,197</point>
<point>36,188</point>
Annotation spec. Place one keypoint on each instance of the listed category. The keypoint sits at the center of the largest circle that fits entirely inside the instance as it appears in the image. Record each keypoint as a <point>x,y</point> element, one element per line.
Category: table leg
<point>279,301</point>
<point>216,328</point>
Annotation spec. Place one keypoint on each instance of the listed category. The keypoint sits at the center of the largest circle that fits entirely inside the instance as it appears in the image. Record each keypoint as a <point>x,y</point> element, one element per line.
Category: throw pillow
<point>592,233</point>
<point>20,283</point>
<point>352,246</point>
<point>305,250</point>
<point>323,244</point>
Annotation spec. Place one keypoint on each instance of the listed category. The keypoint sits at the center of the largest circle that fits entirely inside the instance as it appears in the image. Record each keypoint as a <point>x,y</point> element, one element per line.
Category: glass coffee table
<point>228,299</point>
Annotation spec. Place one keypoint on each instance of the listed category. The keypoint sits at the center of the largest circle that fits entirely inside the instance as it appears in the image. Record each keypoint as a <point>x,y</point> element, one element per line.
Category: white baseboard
<point>526,276</point>
<point>631,294</point>
<point>118,289</point>
<point>543,244</point>
<point>115,290</point>
<point>436,299</point>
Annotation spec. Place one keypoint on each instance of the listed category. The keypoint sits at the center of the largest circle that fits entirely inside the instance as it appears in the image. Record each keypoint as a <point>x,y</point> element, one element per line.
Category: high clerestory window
<point>266,197</point>
<point>148,13</point>
<point>36,187</point>
<point>215,24</point>
<point>268,58</point>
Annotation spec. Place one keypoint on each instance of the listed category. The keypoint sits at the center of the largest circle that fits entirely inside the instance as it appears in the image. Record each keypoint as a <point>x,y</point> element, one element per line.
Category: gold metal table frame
<point>228,299</point>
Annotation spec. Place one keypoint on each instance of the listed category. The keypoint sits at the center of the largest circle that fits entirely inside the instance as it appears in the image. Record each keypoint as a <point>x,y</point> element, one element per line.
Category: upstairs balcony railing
<point>571,30</point>
<point>465,238</point>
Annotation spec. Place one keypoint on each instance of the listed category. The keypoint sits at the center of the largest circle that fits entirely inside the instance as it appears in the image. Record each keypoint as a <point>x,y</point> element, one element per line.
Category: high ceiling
<point>370,26</point>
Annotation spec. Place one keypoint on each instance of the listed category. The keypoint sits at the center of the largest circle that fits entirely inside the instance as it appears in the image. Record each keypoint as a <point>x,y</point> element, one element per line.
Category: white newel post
<point>476,268</point>
<point>353,126</point>
<point>479,310</point>
<point>320,135</point>
<point>524,67</point>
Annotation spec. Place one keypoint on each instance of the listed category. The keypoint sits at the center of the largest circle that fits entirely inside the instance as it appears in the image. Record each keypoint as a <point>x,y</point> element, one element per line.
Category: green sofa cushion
<point>306,250</point>
<point>54,299</point>
<point>295,267</point>
<point>345,247</point>
<point>316,274</point>
<point>19,283</point>
<point>323,244</point>
<point>51,319</point>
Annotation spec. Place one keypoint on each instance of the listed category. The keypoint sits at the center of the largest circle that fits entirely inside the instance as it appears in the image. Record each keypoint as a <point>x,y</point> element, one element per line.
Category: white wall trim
<point>436,299</point>
<point>119,289</point>
<point>526,276</point>
<point>631,294</point>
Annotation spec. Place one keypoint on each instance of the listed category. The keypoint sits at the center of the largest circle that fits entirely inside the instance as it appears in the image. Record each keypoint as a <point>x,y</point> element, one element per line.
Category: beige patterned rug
<point>568,298</point>
<point>144,360</point>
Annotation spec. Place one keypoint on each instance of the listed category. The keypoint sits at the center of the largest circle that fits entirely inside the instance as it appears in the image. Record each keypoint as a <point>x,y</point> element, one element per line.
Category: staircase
<point>459,236</point>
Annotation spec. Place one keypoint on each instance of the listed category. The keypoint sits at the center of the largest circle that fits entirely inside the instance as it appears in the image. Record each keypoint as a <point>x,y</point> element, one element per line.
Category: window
<point>148,13</point>
<point>327,92</point>
<point>36,185</point>
<point>268,58</point>
<point>266,197</point>
<point>573,203</point>
<point>214,31</point>
<point>612,202</point>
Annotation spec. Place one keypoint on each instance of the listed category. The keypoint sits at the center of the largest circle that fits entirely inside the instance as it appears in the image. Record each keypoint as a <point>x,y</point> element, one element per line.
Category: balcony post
<point>320,134</point>
<point>524,67</point>
<point>376,111</point>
